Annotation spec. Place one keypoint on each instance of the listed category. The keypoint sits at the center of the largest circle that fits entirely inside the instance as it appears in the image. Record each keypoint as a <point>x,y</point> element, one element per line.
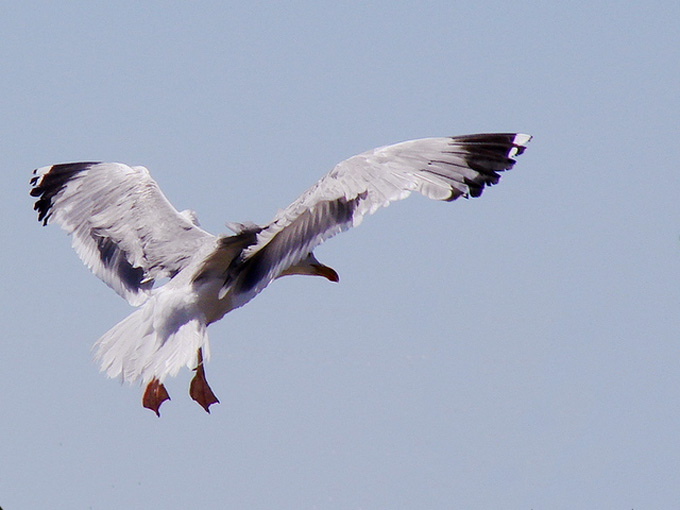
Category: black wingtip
<point>49,181</point>
<point>488,154</point>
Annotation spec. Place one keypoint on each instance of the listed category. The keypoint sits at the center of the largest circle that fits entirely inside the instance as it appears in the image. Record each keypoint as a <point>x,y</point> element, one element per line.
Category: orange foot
<point>199,389</point>
<point>154,395</point>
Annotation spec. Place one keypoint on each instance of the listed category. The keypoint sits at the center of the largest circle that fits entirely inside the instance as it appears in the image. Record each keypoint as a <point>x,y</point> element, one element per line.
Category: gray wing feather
<point>122,226</point>
<point>438,168</point>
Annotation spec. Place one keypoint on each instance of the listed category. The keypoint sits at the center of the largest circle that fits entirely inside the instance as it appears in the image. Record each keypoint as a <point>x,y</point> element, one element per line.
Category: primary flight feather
<point>126,231</point>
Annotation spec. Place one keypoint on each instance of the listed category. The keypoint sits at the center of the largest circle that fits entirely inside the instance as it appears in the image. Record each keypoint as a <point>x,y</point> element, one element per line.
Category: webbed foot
<point>154,395</point>
<point>199,389</point>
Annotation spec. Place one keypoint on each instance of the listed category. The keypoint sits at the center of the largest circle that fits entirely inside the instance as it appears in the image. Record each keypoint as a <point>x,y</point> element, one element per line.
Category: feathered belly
<point>215,301</point>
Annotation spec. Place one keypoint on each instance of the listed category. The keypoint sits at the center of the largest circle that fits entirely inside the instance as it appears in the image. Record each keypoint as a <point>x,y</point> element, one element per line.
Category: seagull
<point>182,278</point>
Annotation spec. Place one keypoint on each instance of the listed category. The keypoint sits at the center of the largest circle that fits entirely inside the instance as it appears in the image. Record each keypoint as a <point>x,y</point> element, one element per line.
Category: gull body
<point>130,236</point>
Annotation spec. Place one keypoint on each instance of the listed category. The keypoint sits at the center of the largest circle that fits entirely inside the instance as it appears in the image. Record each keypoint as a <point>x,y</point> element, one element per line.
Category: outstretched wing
<point>122,226</point>
<point>438,168</point>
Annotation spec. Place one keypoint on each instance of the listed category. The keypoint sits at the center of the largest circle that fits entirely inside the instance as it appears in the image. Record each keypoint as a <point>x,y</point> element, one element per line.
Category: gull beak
<point>311,266</point>
<point>325,271</point>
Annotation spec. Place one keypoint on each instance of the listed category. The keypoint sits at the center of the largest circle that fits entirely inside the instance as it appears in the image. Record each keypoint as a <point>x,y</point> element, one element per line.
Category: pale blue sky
<point>520,350</point>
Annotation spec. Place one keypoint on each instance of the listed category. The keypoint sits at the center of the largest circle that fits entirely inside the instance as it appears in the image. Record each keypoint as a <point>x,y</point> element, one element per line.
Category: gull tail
<point>155,341</point>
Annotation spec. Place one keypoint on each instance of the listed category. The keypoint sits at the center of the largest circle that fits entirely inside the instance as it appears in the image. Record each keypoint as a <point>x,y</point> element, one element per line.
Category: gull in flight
<point>126,231</point>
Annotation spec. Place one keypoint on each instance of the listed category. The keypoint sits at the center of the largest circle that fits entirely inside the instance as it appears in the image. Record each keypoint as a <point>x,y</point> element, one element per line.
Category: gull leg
<point>199,389</point>
<point>154,395</point>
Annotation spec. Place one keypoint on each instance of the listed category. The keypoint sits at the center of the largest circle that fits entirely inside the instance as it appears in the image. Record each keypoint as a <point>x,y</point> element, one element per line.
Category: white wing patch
<point>122,226</point>
<point>438,168</point>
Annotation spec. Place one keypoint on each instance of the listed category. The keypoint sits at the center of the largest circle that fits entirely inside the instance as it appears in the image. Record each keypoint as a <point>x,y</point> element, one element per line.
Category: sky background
<point>520,350</point>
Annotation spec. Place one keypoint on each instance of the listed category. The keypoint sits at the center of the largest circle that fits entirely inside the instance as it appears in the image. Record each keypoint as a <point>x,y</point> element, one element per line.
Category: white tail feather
<point>155,341</point>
